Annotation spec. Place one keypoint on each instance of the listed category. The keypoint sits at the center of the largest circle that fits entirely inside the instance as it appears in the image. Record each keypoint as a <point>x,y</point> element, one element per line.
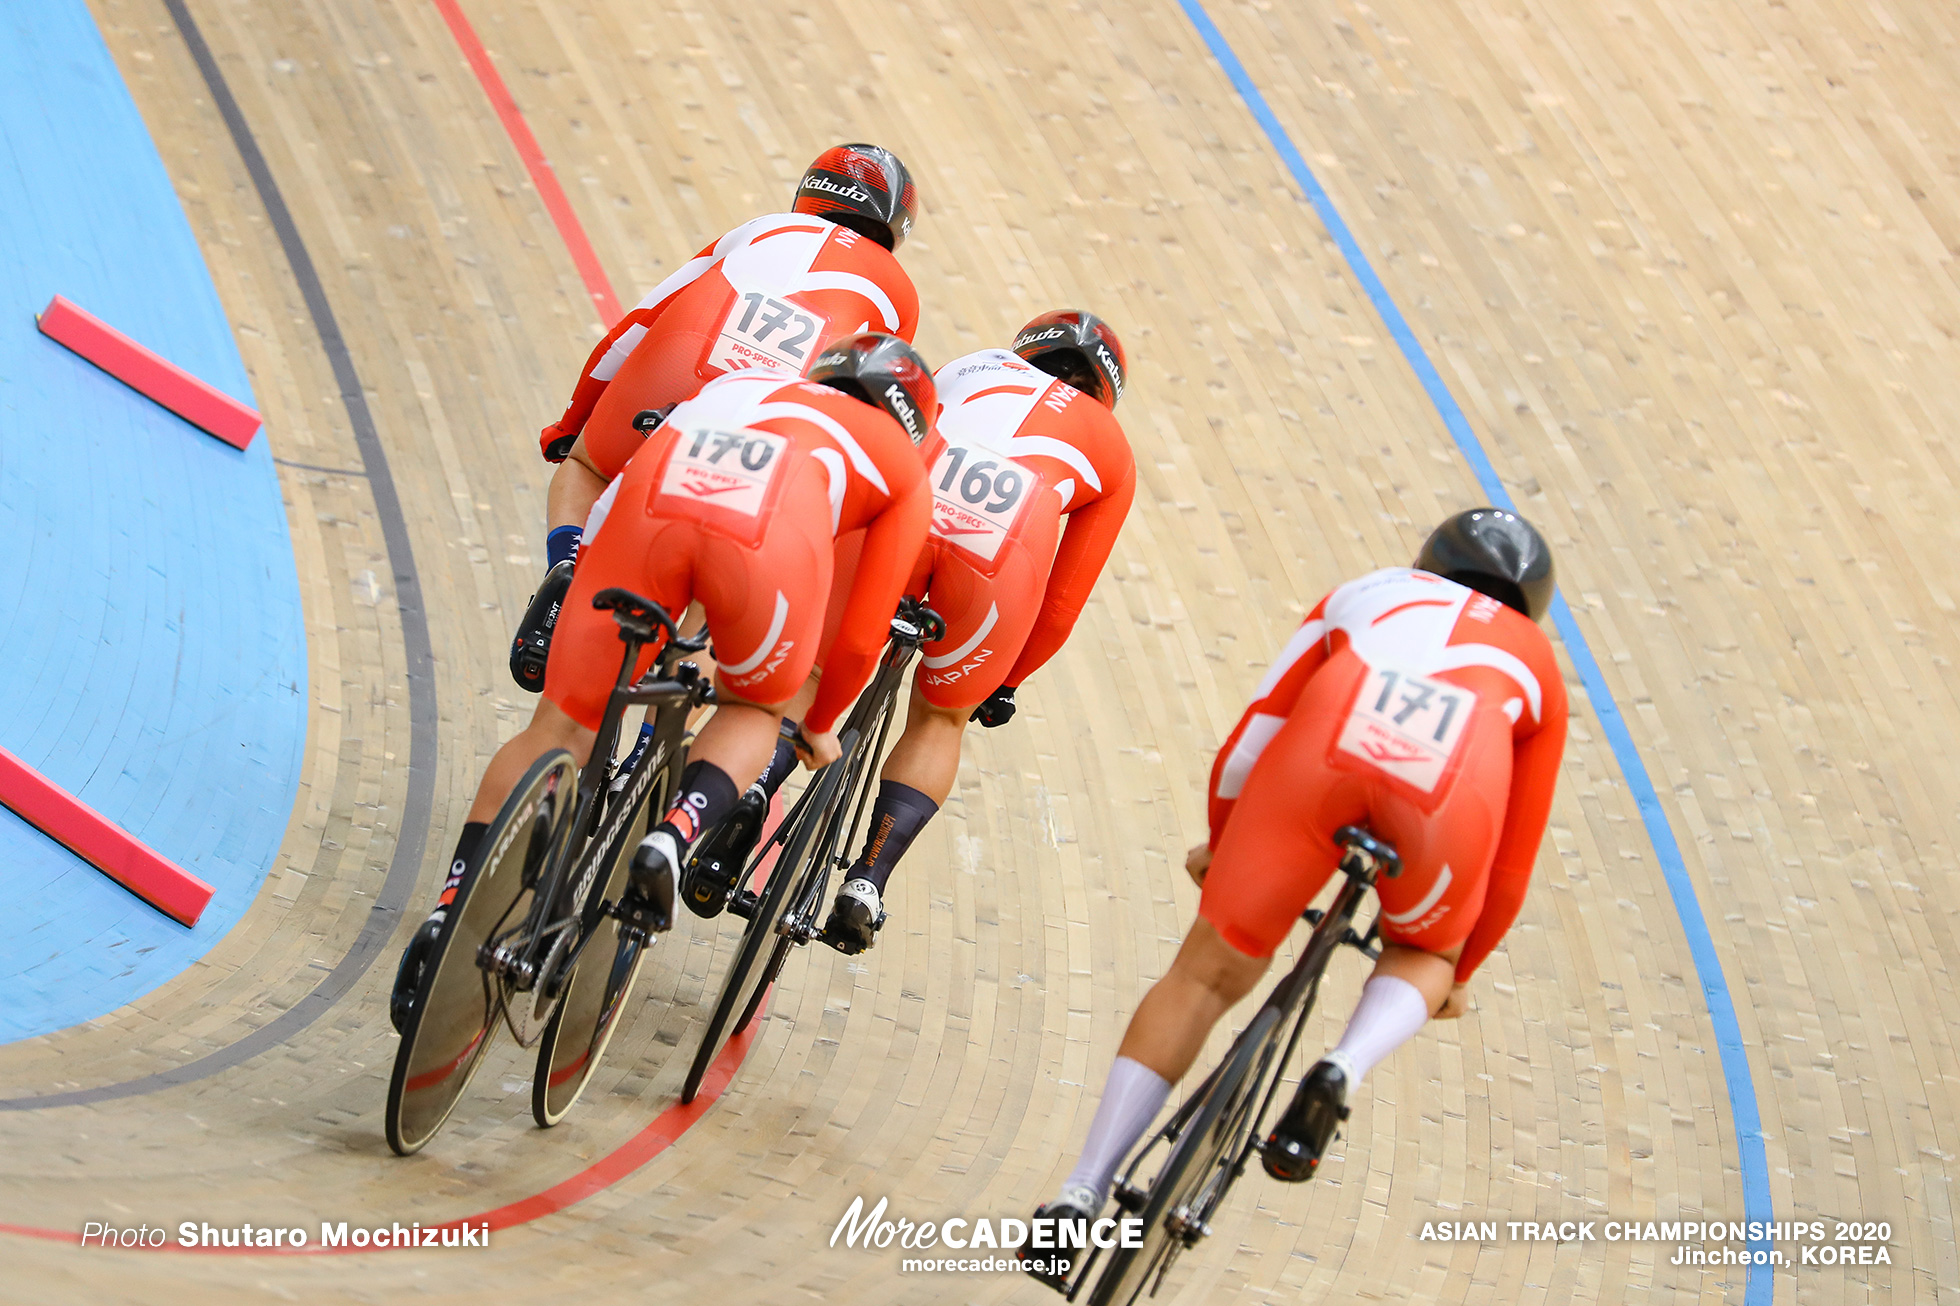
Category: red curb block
<point>148,373</point>
<point>101,843</point>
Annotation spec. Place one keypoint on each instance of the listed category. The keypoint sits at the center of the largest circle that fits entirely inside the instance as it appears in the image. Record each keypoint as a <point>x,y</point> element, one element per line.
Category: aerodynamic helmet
<point>1493,552</point>
<point>1076,347</point>
<point>883,371</point>
<point>863,187</point>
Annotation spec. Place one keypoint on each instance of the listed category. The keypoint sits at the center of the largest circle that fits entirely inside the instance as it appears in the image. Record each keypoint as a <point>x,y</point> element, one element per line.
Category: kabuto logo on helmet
<point>863,187</point>
<point>1111,368</point>
<point>884,371</point>
<point>1068,342</point>
<point>899,404</point>
<point>818,182</point>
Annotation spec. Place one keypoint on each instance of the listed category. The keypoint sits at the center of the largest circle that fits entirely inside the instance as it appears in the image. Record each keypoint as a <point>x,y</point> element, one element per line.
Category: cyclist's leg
<point>1272,858</point>
<point>584,660</point>
<point>988,618</point>
<point>1427,912</point>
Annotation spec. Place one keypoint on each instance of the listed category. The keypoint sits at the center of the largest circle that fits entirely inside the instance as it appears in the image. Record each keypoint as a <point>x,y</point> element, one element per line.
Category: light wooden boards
<point>1684,266</point>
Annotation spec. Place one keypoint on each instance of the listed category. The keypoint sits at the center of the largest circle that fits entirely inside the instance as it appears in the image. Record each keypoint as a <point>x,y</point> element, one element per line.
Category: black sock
<point>706,796</point>
<point>465,849</point>
<point>896,819</point>
<point>778,770</point>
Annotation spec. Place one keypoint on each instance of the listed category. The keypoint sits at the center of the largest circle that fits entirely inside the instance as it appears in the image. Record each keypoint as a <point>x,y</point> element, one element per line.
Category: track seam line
<point>1736,1074</point>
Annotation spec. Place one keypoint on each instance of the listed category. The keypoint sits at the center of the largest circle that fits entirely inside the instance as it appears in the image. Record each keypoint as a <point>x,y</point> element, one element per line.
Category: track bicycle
<point>1221,1127</point>
<point>814,839</point>
<point>545,933</point>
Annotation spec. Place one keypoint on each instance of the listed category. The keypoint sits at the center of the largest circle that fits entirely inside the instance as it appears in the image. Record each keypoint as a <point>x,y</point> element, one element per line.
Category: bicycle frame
<point>547,943</point>
<point>911,628</point>
<point>1291,999</point>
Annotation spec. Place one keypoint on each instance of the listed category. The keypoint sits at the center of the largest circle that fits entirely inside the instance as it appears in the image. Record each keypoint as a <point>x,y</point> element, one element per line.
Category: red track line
<point>542,176</point>
<point>657,1137</point>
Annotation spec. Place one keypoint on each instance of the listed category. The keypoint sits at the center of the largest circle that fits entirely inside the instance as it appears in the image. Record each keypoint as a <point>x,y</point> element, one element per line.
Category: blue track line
<point>1701,945</point>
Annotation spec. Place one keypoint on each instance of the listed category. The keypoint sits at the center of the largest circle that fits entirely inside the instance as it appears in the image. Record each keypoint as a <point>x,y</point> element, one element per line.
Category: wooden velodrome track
<point>1688,267</point>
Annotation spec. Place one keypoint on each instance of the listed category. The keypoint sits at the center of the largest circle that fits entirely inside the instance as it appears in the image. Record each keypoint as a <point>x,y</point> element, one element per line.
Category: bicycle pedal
<point>845,946</point>
<point>638,918</point>
<point>743,904</point>
<point>1312,915</point>
<point>1129,1198</point>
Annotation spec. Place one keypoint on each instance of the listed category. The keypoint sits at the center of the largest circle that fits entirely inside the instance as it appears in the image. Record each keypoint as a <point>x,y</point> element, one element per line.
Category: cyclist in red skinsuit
<point>769,295</point>
<point>737,502</point>
<point>1423,703</point>
<point>1020,447</point>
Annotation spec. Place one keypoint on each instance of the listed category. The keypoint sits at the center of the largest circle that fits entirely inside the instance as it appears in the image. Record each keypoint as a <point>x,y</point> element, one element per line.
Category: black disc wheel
<point>601,981</point>
<point>759,958</point>
<point>457,1004</point>
<point>1188,1188</point>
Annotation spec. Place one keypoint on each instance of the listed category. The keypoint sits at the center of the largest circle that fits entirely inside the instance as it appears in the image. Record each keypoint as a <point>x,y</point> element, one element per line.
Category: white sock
<point>1131,1100</point>
<point>1390,1012</point>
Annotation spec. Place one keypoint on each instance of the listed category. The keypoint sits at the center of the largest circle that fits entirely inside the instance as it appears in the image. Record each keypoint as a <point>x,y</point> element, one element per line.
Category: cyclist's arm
<point>1086,544</point>
<point>1534,774</point>
<point>609,353</point>
<point>891,546</point>
<point>1272,703</point>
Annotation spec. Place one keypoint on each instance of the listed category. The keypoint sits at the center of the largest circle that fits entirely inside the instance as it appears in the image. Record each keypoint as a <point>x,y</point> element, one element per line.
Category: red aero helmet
<point>884,371</point>
<point>1080,348</point>
<point>863,187</point>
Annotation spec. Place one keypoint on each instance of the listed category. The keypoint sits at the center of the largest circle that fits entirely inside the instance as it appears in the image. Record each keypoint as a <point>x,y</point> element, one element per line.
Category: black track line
<point>412,836</point>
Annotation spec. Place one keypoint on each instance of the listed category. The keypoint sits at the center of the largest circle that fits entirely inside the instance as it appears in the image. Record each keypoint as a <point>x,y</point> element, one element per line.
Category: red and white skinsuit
<point>993,567</point>
<point>737,499</point>
<point>1428,712</point>
<point>768,295</point>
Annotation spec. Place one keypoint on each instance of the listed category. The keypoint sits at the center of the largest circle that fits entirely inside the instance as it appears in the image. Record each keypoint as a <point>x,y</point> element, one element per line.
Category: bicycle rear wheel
<point>747,979</point>
<point>602,979</point>
<point>1172,1219</point>
<point>457,1002</point>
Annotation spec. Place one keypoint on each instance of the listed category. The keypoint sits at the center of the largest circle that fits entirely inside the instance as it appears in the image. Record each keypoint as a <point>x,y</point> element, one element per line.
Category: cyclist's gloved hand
<point>998,710</point>
<point>555,443</point>
<point>647,419</point>
<point>533,643</point>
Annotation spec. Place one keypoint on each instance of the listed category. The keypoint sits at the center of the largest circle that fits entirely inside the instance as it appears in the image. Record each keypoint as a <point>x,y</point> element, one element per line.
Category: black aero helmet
<point>1493,552</point>
<point>863,187</point>
<point>1079,348</point>
<point>883,371</point>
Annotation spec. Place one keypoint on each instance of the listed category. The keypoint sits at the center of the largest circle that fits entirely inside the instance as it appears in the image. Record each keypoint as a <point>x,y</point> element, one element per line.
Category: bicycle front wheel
<point>601,981</point>
<point>748,979</point>
<point>457,1002</point>
<point>1180,1199</point>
